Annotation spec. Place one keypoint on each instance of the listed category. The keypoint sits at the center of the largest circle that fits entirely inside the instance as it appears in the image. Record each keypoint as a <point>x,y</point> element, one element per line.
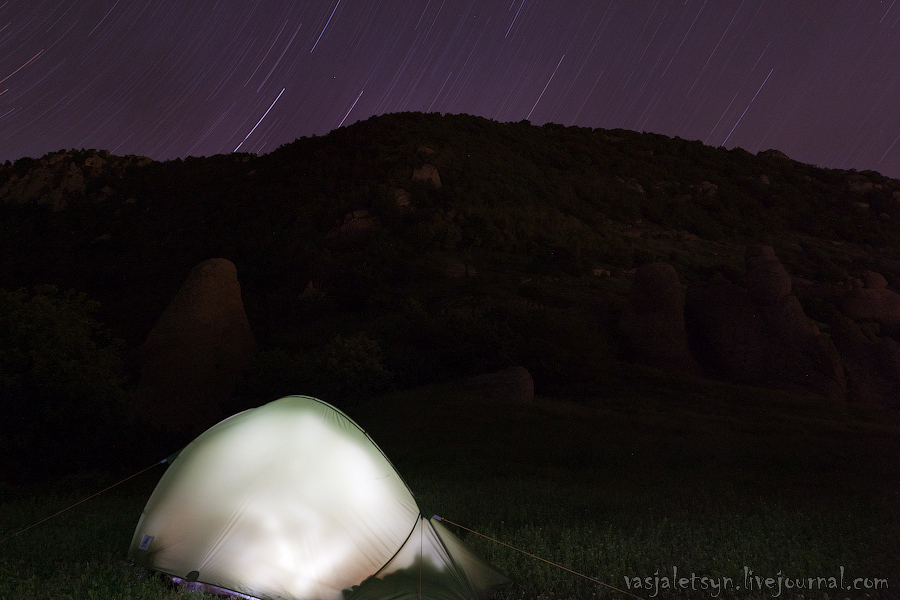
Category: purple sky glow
<point>817,79</point>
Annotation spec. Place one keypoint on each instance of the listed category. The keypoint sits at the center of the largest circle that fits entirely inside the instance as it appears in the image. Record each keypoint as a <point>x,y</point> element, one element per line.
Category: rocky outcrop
<point>49,183</point>
<point>402,198</point>
<point>872,363</point>
<point>768,282</point>
<point>870,299</point>
<point>58,178</point>
<point>427,173</point>
<point>774,153</point>
<point>196,352</point>
<point>652,323</point>
<point>457,268</point>
<point>759,335</point>
<point>356,224</point>
<point>514,384</point>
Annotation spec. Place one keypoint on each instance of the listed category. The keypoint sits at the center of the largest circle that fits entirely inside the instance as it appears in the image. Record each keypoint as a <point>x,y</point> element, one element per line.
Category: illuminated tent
<point>293,500</point>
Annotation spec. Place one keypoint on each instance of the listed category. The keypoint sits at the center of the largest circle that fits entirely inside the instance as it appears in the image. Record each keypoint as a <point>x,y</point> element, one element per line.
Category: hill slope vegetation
<point>414,248</point>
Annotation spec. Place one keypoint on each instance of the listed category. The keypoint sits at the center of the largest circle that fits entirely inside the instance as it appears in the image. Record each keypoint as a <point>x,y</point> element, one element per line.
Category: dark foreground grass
<point>715,481</point>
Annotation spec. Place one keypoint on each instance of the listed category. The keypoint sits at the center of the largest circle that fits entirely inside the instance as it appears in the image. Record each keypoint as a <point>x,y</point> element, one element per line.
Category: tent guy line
<point>293,499</point>
<point>436,517</point>
<point>526,553</point>
<point>56,514</point>
<point>440,541</point>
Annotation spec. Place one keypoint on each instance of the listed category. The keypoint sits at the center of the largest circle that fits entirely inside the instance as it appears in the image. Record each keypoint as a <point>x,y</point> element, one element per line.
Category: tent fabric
<point>293,500</point>
<point>433,564</point>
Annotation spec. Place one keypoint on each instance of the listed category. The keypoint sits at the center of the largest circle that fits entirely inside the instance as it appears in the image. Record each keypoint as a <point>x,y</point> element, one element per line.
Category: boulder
<point>707,188</point>
<point>873,280</point>
<point>196,352</point>
<point>652,323</point>
<point>767,280</point>
<point>401,197</point>
<point>872,363</point>
<point>723,327</point>
<point>513,384</point>
<point>59,178</point>
<point>357,224</point>
<point>94,164</point>
<point>758,336</point>
<point>869,298</point>
<point>457,268</point>
<point>427,173</point>
<point>774,153</point>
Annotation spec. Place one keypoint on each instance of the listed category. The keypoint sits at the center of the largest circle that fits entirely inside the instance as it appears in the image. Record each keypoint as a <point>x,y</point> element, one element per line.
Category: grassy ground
<point>709,479</point>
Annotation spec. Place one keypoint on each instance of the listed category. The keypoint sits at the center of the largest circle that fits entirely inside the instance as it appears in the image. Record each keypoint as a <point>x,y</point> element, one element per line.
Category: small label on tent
<point>145,542</point>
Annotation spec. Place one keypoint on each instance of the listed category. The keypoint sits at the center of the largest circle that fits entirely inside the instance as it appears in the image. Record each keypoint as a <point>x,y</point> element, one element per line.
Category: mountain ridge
<point>533,233</point>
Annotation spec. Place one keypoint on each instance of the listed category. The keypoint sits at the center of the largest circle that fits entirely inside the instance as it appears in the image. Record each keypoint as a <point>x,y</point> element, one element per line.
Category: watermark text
<point>674,579</point>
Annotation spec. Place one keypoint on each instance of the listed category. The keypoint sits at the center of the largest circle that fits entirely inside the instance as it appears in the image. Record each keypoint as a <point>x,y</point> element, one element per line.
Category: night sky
<point>817,79</point>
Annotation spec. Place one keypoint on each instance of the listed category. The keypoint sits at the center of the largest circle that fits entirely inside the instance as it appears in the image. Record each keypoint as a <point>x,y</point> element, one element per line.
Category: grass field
<point>713,480</point>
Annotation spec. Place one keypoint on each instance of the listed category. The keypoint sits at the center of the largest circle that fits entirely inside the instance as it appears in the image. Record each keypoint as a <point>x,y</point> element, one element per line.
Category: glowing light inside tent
<point>272,503</point>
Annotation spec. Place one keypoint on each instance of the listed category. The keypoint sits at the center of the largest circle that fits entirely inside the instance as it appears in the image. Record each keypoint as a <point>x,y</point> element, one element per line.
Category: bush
<point>354,367</point>
<point>345,370</point>
<point>62,397</point>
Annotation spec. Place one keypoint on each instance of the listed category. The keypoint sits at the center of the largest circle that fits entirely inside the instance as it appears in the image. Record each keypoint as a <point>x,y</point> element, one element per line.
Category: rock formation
<point>870,299</point>
<point>652,323</point>
<point>759,335</point>
<point>457,268</point>
<point>58,178</point>
<point>774,153</point>
<point>196,352</point>
<point>356,224</point>
<point>513,384</point>
<point>401,197</point>
<point>872,363</point>
<point>52,182</point>
<point>768,282</point>
<point>427,173</point>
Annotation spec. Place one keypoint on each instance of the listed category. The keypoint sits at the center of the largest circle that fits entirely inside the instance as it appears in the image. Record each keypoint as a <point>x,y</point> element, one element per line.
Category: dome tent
<point>293,500</point>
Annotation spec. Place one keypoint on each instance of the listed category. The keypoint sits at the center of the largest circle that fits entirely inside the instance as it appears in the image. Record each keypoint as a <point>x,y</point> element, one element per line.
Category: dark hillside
<point>412,248</point>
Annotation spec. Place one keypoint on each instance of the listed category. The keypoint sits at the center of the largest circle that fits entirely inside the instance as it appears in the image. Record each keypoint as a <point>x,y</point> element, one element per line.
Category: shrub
<point>354,367</point>
<point>342,372</point>
<point>62,396</point>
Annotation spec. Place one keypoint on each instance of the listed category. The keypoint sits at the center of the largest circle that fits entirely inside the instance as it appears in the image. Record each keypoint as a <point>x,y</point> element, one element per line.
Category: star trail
<point>817,80</point>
